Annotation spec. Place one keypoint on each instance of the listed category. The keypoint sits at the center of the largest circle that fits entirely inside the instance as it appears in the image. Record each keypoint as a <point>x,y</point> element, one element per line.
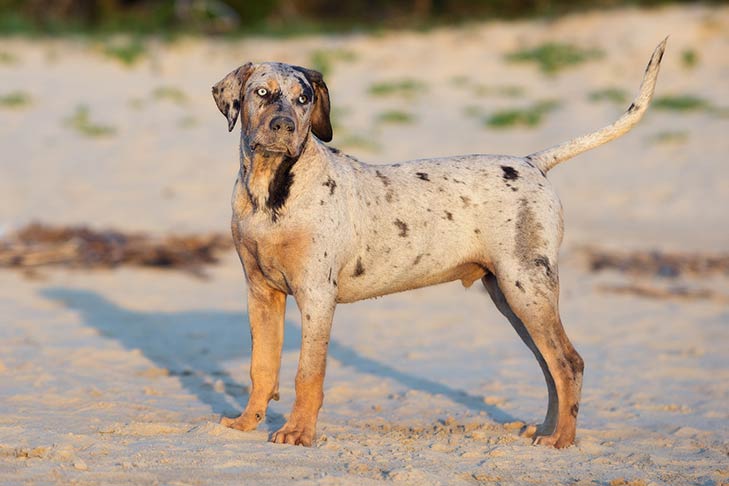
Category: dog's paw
<point>245,422</point>
<point>557,440</point>
<point>294,434</point>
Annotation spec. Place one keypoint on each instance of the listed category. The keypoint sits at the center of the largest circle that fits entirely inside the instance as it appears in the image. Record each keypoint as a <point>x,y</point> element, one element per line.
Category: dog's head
<point>279,105</point>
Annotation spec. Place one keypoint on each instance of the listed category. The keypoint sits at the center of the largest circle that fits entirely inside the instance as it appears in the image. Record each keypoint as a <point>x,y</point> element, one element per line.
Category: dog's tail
<point>548,158</point>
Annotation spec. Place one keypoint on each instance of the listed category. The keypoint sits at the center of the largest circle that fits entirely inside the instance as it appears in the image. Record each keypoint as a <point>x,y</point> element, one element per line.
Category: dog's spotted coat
<point>312,222</point>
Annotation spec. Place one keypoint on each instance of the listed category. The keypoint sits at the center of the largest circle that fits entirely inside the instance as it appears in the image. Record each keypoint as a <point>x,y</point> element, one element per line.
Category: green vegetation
<point>614,95</point>
<point>323,60</point>
<point>552,57</point>
<point>681,103</point>
<point>403,87</point>
<point>355,141</point>
<point>128,51</point>
<point>169,93</point>
<point>15,99</point>
<point>505,90</point>
<point>7,58</point>
<point>396,116</point>
<point>524,117</point>
<point>689,58</point>
<point>271,17</point>
<point>672,137</point>
<point>81,122</point>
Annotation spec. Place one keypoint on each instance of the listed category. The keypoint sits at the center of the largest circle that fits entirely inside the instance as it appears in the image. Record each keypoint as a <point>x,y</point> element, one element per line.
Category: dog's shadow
<point>195,345</point>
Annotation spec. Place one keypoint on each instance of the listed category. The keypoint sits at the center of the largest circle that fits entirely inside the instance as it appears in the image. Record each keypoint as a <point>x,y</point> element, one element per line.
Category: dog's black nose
<point>282,123</point>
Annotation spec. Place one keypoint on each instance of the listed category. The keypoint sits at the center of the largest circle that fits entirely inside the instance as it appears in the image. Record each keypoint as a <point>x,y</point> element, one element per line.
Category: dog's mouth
<point>272,149</point>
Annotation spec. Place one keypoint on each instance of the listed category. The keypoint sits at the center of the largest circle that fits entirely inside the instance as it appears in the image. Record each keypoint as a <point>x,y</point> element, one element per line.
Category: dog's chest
<point>276,251</point>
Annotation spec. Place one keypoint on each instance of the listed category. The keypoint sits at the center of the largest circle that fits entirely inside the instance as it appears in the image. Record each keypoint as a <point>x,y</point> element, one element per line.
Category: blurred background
<point>109,138</point>
<point>274,16</point>
<point>106,116</point>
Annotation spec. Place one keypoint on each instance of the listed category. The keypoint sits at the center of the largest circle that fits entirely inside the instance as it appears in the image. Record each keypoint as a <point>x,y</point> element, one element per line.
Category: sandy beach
<point>120,376</point>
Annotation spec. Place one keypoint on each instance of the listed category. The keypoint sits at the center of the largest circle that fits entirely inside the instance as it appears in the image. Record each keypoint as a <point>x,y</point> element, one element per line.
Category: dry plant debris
<point>39,245</point>
<point>643,266</point>
<point>657,263</point>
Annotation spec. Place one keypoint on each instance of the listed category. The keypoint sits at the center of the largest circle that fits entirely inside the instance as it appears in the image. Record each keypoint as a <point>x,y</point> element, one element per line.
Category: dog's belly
<point>352,289</point>
<point>382,266</point>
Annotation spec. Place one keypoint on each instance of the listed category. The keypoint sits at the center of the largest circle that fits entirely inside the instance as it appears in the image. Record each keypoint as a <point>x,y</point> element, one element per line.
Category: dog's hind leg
<point>531,306</point>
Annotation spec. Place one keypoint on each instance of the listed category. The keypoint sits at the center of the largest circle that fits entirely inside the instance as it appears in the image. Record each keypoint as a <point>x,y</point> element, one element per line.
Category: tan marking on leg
<point>315,331</point>
<point>266,314</point>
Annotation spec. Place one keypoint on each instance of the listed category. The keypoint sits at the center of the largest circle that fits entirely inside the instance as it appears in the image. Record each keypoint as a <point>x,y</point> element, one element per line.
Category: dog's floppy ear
<point>321,124</point>
<point>228,93</point>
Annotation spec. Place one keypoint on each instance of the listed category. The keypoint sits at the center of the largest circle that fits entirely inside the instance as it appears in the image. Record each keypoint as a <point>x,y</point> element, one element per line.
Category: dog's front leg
<point>317,312</point>
<point>266,308</point>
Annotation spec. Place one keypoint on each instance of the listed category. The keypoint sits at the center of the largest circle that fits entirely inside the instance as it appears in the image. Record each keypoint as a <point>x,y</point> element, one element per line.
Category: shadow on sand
<point>195,345</point>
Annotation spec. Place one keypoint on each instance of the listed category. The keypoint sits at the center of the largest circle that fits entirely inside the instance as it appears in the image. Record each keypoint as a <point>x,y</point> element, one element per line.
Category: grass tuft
<point>323,60</point>
<point>403,87</point>
<point>15,99</point>
<point>81,122</point>
<point>127,51</point>
<point>552,57</point>
<point>504,90</point>
<point>7,58</point>
<point>355,141</point>
<point>169,93</point>
<point>524,117</point>
<point>613,95</point>
<point>689,58</point>
<point>396,116</point>
<point>681,103</point>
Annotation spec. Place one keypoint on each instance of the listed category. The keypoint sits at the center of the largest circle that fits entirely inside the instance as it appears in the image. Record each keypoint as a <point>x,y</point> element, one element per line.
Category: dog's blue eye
<point>262,91</point>
<point>303,99</point>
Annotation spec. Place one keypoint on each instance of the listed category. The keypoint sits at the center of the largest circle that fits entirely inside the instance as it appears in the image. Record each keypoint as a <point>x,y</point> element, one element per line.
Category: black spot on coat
<point>385,180</point>
<point>423,176</point>
<point>402,226</point>
<point>510,173</point>
<point>543,261</point>
<point>358,269</point>
<point>331,184</point>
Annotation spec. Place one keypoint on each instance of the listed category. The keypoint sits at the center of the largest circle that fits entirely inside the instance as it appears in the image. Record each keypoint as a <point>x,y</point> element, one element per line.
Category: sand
<point>120,376</point>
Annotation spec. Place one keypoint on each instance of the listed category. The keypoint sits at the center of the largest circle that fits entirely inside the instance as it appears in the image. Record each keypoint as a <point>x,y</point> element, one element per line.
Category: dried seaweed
<point>673,292</point>
<point>674,269</point>
<point>39,245</point>
<point>657,263</point>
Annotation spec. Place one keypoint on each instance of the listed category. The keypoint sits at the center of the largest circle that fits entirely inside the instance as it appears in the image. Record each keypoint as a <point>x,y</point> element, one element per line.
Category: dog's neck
<point>268,176</point>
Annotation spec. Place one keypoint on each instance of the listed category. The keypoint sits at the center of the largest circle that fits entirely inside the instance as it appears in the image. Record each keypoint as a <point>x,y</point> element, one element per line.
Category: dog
<point>312,222</point>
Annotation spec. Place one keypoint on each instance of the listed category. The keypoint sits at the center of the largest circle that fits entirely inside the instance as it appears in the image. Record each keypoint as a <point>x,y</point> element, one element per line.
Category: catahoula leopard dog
<point>314,223</point>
